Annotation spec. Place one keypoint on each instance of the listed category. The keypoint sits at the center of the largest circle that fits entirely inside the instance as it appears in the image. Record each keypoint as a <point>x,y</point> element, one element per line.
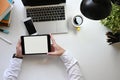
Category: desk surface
<point>97,59</point>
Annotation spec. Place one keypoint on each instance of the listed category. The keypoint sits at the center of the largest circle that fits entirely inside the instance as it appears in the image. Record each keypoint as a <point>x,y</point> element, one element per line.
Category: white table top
<point>97,59</point>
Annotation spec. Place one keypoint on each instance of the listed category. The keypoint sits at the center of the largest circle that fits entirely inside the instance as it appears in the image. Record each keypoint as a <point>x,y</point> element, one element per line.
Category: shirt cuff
<point>14,56</point>
<point>16,61</point>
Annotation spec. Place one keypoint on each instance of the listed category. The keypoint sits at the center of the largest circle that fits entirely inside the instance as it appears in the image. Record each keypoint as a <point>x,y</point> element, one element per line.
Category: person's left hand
<point>19,50</point>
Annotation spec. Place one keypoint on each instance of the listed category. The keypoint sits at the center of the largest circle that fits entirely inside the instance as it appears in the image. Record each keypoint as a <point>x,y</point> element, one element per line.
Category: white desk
<point>98,60</point>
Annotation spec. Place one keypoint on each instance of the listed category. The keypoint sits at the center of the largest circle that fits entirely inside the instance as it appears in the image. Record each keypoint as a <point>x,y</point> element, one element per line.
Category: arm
<point>11,73</point>
<point>72,66</point>
<point>70,62</point>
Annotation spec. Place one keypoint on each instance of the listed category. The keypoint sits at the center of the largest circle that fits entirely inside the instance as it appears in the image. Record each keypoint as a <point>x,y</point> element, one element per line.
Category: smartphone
<point>29,26</point>
<point>36,44</point>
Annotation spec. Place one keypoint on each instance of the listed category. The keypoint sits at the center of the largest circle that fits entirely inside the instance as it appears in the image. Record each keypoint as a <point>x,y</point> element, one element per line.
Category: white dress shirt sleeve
<point>72,66</point>
<point>12,72</point>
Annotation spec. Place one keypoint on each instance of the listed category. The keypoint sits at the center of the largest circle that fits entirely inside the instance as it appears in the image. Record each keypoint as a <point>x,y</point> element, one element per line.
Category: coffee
<point>78,20</point>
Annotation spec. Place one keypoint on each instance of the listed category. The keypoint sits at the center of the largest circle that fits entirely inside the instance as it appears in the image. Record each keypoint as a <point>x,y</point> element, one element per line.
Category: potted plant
<point>113,23</point>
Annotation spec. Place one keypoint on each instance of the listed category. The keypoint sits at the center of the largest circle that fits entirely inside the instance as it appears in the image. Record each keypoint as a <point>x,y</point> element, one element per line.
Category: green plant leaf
<point>113,21</point>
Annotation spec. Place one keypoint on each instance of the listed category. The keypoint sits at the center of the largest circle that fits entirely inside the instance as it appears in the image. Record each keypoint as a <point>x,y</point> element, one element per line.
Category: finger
<point>52,48</point>
<point>19,43</point>
<point>52,53</point>
<point>53,40</point>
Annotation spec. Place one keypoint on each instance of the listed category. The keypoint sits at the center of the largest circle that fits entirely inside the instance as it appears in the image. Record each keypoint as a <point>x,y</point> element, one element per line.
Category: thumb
<point>51,53</point>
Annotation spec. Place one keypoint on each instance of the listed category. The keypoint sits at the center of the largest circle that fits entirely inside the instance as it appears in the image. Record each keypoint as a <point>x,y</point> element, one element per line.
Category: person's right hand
<point>56,50</point>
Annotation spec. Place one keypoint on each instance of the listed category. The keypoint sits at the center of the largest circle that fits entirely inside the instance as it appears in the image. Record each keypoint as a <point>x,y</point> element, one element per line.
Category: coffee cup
<point>77,20</point>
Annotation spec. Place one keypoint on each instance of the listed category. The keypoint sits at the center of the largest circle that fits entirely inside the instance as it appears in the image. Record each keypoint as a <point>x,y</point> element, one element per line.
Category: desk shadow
<point>116,46</point>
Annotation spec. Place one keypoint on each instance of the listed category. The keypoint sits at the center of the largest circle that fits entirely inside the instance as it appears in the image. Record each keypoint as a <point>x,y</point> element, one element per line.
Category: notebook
<point>49,16</point>
<point>6,20</point>
<point>5,7</point>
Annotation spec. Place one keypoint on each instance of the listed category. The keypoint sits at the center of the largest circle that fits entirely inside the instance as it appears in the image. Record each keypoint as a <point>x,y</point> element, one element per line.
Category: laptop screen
<point>41,2</point>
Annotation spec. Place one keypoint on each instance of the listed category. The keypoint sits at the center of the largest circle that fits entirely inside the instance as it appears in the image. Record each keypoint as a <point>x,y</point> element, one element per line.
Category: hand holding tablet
<point>35,44</point>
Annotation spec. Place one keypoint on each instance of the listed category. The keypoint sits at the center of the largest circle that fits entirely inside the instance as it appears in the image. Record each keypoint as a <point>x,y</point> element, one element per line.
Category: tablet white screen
<point>36,44</point>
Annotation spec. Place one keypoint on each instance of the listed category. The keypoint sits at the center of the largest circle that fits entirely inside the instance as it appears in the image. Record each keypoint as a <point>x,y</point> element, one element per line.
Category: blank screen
<point>36,44</point>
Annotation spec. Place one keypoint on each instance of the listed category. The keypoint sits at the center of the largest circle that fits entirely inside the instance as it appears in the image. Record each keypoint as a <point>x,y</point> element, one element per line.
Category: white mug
<point>77,20</point>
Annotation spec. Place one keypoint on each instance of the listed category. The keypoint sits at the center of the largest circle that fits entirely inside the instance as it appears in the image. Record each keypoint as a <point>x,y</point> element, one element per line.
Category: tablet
<point>35,44</point>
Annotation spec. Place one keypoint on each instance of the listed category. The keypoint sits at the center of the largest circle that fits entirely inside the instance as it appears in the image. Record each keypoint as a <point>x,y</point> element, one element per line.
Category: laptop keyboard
<point>46,13</point>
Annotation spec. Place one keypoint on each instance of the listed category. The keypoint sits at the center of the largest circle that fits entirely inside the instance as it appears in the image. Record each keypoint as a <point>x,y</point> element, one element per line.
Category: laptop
<point>49,16</point>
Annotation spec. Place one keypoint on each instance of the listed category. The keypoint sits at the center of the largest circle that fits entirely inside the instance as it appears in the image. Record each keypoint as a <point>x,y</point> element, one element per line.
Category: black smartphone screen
<point>30,26</point>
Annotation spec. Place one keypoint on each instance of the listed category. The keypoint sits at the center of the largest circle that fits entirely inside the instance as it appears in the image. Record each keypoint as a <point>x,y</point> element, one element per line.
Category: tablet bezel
<point>23,46</point>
